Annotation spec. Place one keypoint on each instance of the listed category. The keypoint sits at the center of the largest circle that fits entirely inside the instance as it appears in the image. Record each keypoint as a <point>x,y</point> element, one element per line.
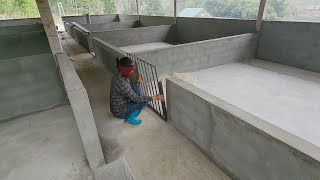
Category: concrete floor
<point>153,150</point>
<point>43,146</point>
<point>284,96</point>
<point>145,47</point>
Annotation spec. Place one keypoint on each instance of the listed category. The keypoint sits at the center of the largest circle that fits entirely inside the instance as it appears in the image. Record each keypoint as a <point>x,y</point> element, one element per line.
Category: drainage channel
<point>151,84</point>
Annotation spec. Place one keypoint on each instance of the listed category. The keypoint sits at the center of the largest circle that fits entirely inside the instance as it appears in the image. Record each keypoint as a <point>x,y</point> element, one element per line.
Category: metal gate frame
<point>151,84</point>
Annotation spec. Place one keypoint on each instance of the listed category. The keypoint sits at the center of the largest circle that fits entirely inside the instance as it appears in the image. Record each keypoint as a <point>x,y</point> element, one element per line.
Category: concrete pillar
<point>138,9</point>
<point>88,18</point>
<point>49,26</point>
<point>260,14</point>
<point>175,8</point>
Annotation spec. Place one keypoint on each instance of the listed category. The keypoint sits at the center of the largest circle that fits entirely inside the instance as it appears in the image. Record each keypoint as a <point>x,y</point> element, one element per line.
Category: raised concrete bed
<point>244,145</point>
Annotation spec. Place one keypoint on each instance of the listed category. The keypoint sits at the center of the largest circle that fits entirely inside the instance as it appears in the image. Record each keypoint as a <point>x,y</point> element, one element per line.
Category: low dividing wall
<point>243,145</point>
<point>29,84</point>
<point>107,53</point>
<point>126,37</point>
<point>156,20</point>
<point>16,22</point>
<point>84,33</point>
<point>124,17</point>
<point>198,29</point>
<point>95,19</point>
<point>201,55</point>
<point>111,26</point>
<point>291,43</point>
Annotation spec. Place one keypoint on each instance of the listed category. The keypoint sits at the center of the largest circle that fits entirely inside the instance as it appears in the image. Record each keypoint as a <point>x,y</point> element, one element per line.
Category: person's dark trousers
<point>134,107</point>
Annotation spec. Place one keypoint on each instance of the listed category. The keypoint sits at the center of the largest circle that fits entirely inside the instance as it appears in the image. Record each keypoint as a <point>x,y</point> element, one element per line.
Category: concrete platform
<point>153,150</point>
<point>145,47</point>
<point>281,95</point>
<point>43,146</point>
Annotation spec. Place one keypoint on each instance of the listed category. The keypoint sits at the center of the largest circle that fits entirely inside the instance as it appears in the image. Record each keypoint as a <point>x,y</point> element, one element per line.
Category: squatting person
<point>126,101</point>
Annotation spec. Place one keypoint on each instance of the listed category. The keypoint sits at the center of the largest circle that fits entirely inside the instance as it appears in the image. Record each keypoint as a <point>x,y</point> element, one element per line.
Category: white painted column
<point>49,26</point>
<point>260,14</point>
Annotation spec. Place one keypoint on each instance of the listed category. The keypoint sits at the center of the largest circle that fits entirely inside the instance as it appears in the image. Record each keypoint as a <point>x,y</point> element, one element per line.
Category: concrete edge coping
<point>198,43</point>
<point>290,139</point>
<point>136,29</point>
<point>117,170</point>
<point>81,108</point>
<point>119,22</point>
<point>116,49</point>
<point>76,25</point>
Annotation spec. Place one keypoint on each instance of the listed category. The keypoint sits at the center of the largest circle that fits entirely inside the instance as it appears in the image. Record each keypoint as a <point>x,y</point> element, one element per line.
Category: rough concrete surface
<point>153,150</point>
<point>287,102</point>
<point>43,146</point>
<point>117,170</point>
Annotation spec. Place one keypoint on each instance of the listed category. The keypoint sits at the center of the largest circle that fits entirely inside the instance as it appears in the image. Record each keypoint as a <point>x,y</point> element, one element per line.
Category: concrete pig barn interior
<point>242,98</point>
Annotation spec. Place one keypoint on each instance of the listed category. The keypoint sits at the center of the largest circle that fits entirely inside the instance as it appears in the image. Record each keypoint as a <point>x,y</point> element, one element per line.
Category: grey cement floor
<point>153,150</point>
<point>281,95</point>
<point>145,47</point>
<point>42,146</point>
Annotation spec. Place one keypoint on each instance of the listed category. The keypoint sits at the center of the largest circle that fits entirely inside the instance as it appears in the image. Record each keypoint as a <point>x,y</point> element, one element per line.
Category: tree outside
<point>306,10</point>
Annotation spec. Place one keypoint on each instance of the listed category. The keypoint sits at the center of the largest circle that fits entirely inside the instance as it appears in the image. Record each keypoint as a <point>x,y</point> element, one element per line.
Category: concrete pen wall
<point>291,43</point>
<point>29,84</point>
<point>156,20</point>
<point>198,29</point>
<point>110,26</point>
<point>29,79</point>
<point>20,29</point>
<point>201,55</point>
<point>126,37</point>
<point>107,53</point>
<point>84,33</point>
<point>95,19</point>
<point>243,145</point>
<point>23,44</point>
<point>16,22</point>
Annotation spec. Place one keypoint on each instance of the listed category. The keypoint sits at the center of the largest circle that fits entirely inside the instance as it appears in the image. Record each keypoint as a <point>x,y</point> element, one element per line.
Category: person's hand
<point>158,97</point>
<point>140,79</point>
